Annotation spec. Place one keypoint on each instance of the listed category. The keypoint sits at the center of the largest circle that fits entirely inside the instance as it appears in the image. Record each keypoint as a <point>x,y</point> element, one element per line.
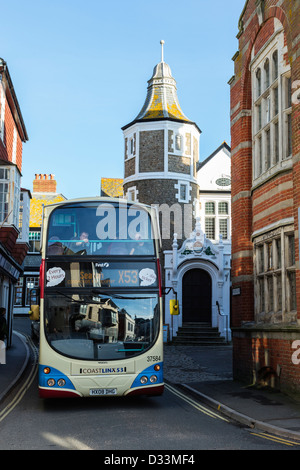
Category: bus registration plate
<point>103,391</point>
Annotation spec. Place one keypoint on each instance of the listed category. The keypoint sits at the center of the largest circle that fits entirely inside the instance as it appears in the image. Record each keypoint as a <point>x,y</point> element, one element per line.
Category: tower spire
<point>161,101</point>
<point>162,50</point>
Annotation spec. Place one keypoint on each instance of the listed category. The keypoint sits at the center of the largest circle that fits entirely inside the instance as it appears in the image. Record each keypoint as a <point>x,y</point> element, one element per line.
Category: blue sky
<point>80,72</point>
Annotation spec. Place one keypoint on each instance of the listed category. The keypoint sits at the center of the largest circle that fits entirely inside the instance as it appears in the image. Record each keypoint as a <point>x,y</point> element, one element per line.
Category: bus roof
<point>99,199</point>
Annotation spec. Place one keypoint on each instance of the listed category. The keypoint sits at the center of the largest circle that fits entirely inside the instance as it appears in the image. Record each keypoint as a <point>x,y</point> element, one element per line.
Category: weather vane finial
<point>162,50</point>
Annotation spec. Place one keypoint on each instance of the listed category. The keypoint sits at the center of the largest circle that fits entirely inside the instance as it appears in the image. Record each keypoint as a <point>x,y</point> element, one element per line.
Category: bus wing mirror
<point>34,312</point>
<point>34,300</point>
<point>174,307</point>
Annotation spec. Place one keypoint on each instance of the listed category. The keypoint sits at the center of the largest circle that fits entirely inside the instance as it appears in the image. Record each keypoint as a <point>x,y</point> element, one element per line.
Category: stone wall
<point>151,151</point>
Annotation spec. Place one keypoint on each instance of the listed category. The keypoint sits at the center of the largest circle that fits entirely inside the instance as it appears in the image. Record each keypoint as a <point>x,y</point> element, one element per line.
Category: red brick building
<point>12,136</point>
<point>265,146</point>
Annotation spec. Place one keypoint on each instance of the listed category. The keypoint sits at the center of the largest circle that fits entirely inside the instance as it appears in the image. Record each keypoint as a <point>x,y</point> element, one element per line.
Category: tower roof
<point>161,100</point>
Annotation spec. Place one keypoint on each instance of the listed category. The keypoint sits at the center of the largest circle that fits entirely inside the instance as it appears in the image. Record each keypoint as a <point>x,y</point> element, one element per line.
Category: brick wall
<point>44,184</point>
<point>256,207</point>
<point>6,146</point>
<point>267,359</point>
<point>11,143</point>
<point>273,201</point>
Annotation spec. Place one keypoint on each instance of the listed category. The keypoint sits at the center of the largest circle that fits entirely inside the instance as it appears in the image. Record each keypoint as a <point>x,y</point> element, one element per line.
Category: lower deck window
<point>101,327</point>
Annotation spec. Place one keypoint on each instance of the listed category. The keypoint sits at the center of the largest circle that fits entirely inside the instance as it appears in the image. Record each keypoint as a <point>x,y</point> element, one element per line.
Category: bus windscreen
<point>101,298</point>
<point>107,229</point>
<point>94,326</point>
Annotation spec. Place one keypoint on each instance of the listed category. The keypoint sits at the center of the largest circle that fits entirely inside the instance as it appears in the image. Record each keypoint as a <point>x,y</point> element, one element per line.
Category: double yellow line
<point>195,404</point>
<point>25,386</point>
<point>273,438</point>
<point>210,413</point>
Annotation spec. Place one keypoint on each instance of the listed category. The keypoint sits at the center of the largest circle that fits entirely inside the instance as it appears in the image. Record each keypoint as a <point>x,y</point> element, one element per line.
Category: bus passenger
<point>80,244</point>
<point>139,247</point>
<point>55,247</point>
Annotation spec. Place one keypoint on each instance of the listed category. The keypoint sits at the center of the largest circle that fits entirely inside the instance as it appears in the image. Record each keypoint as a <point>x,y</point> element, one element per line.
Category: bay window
<point>10,180</point>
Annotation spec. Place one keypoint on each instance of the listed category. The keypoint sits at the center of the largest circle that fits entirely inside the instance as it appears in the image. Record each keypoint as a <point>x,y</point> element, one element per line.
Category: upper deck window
<point>100,228</point>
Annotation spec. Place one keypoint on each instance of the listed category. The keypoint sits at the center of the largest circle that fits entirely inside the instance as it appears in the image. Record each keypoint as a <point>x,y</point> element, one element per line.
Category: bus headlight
<point>144,379</point>
<point>61,382</point>
<point>153,379</point>
<point>51,382</point>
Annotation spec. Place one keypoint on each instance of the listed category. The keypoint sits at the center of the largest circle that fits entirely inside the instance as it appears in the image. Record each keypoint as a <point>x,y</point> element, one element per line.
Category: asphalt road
<point>142,425</point>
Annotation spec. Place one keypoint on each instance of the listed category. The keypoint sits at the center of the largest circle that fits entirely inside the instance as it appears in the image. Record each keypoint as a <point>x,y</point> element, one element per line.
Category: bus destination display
<point>93,274</point>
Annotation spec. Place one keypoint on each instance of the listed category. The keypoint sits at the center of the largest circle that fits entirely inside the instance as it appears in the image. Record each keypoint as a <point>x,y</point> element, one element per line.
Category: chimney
<point>44,184</point>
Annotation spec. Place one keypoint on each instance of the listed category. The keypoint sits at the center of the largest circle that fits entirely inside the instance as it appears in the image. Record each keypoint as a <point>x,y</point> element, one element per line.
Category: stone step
<point>198,328</point>
<point>198,342</point>
<point>198,334</point>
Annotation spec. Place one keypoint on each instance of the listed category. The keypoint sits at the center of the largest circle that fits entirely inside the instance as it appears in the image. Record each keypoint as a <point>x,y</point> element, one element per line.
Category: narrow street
<point>149,228</point>
<point>146,426</point>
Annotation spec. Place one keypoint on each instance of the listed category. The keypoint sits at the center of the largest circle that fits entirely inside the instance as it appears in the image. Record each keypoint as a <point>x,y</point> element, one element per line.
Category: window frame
<point>217,218</point>
<point>132,194</point>
<point>275,276</point>
<point>34,241</point>
<point>187,191</point>
<point>271,110</point>
<point>130,150</point>
<point>10,178</point>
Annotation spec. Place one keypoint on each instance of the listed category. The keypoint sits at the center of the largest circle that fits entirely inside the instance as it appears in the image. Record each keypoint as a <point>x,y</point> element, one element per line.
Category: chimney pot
<point>44,183</point>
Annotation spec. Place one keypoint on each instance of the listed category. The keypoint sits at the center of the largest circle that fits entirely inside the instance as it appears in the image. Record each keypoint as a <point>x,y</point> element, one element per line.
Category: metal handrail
<point>223,315</point>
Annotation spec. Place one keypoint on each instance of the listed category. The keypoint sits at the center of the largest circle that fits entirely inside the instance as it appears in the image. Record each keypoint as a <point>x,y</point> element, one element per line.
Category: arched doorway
<point>196,296</point>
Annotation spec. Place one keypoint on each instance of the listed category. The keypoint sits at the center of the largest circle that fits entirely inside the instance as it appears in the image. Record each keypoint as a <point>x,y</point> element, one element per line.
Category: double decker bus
<point>100,308</point>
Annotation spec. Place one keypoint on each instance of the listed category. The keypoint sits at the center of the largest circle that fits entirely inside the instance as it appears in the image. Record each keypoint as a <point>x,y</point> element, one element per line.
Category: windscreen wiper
<point>117,296</point>
<point>81,302</point>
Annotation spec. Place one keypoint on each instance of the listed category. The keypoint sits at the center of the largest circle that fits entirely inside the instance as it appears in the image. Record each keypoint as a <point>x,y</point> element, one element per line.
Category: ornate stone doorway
<point>196,296</point>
